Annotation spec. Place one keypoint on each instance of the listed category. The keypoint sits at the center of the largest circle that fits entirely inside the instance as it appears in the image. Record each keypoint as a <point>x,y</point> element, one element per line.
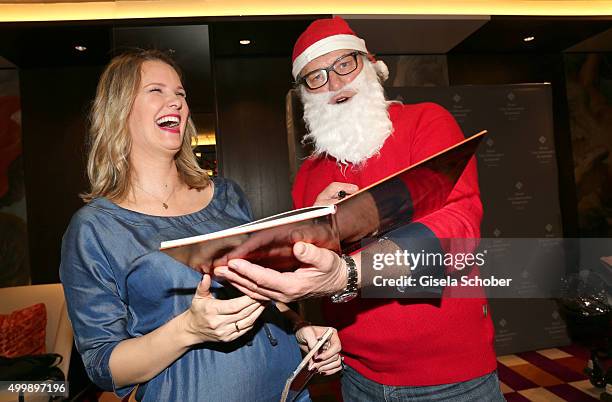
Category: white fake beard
<point>353,131</point>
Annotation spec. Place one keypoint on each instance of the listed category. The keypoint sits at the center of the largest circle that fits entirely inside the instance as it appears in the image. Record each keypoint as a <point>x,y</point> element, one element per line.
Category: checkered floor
<point>550,375</point>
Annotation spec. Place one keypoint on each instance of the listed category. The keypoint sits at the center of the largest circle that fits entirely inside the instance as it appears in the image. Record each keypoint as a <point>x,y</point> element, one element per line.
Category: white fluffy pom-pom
<point>381,70</point>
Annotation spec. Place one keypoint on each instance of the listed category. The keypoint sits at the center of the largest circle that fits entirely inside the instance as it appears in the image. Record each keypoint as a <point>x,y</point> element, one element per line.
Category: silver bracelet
<point>350,291</point>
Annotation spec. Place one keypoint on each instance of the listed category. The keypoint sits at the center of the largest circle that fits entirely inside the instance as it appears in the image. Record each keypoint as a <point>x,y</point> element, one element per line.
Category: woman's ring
<point>236,325</point>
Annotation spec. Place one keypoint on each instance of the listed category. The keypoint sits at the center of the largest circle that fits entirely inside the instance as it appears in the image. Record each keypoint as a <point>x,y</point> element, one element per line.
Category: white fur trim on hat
<point>326,45</point>
<point>381,70</point>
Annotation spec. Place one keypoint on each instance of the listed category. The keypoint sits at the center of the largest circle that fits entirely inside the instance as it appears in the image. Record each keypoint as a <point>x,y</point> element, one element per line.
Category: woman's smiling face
<point>159,114</point>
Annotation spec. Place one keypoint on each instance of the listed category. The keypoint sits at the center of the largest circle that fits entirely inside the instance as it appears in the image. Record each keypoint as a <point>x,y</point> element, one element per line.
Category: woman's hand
<point>330,195</point>
<point>212,320</point>
<point>327,360</point>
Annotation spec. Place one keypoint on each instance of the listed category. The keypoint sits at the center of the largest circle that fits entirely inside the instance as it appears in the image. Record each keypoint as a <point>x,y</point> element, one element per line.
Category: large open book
<point>362,217</point>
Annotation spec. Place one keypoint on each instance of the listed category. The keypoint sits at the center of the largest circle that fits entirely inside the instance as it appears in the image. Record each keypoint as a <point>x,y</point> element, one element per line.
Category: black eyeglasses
<point>343,65</point>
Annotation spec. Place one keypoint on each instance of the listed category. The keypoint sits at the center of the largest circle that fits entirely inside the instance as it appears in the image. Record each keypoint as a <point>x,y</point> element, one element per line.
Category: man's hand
<point>323,273</point>
<point>330,196</point>
<point>274,246</point>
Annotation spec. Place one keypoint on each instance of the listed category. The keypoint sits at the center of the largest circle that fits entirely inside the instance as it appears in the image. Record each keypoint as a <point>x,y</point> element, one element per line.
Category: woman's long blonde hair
<point>109,141</point>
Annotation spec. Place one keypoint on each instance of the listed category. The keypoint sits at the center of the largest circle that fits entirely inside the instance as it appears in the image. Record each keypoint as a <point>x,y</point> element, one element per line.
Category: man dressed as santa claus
<point>394,349</point>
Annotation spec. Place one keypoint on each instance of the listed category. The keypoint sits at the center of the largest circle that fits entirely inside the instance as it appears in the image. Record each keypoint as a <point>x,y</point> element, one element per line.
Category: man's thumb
<point>307,253</point>
<point>203,289</point>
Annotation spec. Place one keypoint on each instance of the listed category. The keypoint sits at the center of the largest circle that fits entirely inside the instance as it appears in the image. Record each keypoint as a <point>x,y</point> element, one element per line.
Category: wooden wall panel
<point>54,107</point>
<point>251,131</point>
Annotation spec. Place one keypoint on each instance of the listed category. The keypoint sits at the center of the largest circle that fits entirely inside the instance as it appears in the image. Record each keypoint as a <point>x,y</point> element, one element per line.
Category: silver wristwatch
<point>350,291</point>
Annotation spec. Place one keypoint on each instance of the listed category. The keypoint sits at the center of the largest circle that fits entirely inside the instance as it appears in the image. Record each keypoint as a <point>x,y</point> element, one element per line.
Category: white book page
<point>296,215</point>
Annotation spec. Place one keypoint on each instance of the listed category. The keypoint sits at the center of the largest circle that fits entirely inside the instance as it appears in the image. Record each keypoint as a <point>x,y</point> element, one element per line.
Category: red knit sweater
<point>407,341</point>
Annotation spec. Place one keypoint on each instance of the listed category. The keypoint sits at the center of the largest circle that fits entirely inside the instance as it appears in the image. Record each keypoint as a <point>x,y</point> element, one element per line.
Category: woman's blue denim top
<point>119,286</point>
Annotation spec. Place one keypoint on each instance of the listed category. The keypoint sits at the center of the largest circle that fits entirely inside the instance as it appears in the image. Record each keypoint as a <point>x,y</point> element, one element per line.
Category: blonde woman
<point>133,309</point>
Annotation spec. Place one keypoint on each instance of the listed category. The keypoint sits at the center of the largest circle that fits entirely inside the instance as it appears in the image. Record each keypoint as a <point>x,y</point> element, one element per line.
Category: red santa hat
<point>324,36</point>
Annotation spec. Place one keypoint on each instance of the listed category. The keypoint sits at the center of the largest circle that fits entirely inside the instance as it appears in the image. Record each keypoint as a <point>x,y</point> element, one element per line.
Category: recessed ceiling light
<point>528,38</point>
<point>80,48</point>
<point>245,42</point>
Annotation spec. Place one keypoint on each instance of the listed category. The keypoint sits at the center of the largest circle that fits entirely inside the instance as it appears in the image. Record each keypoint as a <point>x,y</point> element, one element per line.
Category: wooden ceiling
<point>505,34</point>
<point>53,43</point>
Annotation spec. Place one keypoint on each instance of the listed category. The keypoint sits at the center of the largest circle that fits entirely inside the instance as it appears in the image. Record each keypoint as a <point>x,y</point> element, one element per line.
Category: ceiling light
<point>245,42</point>
<point>80,48</point>
<point>528,38</point>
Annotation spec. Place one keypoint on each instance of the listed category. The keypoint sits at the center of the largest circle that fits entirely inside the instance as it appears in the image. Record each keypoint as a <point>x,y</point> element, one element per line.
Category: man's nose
<point>335,81</point>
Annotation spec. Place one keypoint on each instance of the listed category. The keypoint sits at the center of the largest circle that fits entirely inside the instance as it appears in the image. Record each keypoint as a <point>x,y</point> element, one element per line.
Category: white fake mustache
<point>351,131</point>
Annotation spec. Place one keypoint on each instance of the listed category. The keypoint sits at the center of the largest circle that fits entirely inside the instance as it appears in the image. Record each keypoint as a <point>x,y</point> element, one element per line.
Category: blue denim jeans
<point>357,388</point>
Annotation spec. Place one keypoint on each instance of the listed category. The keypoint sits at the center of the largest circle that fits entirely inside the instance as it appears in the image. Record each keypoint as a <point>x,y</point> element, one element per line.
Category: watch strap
<point>350,291</point>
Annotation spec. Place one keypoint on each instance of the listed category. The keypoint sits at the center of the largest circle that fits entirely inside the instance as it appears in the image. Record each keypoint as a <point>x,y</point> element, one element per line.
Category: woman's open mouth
<point>170,123</point>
